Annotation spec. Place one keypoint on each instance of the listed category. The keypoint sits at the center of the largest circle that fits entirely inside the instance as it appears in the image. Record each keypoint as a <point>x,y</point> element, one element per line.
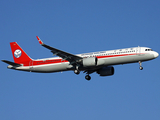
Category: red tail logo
<point>18,53</point>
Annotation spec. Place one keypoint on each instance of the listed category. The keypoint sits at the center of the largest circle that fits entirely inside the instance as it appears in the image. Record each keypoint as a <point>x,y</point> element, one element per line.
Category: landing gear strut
<point>87,77</point>
<point>76,71</point>
<point>140,63</point>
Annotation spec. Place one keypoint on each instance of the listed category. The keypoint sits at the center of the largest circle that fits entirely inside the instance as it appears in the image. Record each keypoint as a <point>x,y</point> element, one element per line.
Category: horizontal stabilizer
<point>11,63</point>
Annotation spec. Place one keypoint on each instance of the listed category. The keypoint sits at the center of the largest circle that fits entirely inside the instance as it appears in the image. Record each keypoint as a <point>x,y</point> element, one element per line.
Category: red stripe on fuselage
<point>54,61</point>
<point>108,56</point>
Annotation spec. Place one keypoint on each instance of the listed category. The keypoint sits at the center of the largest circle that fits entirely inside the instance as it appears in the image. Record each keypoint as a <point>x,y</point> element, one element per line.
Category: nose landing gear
<point>140,63</point>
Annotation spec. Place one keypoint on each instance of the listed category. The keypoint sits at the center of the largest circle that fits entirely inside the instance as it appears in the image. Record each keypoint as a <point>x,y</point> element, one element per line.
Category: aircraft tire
<point>76,72</point>
<point>87,77</point>
<point>141,68</point>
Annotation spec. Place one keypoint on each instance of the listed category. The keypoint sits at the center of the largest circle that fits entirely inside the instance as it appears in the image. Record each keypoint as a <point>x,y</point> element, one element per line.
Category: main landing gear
<point>87,77</point>
<point>140,63</point>
<point>76,72</point>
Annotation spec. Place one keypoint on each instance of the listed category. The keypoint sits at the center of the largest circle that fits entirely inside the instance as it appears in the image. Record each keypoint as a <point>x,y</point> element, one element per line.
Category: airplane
<point>100,62</point>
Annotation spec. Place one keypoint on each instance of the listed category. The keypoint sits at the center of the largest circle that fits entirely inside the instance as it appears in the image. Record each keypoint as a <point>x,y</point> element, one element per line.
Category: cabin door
<point>31,65</point>
<point>138,50</point>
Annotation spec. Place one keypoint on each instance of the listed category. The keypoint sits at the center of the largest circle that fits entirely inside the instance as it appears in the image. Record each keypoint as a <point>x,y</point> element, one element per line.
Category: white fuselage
<point>105,58</point>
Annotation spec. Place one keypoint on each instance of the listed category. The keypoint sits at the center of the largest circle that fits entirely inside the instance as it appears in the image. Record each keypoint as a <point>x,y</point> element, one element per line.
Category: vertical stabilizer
<point>18,53</point>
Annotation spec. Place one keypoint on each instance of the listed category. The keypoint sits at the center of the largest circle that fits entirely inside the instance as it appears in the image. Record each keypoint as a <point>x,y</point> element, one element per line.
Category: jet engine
<point>89,62</point>
<point>106,71</point>
<point>92,61</point>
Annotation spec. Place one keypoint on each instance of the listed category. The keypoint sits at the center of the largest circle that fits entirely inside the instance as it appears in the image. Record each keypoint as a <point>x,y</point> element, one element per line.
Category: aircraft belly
<point>50,67</point>
<point>21,68</point>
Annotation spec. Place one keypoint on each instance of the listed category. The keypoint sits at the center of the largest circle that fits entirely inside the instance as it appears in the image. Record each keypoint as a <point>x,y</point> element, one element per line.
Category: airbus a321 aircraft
<point>99,62</point>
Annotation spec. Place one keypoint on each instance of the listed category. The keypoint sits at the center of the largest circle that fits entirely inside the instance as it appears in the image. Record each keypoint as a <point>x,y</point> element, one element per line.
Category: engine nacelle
<point>89,62</point>
<point>106,71</point>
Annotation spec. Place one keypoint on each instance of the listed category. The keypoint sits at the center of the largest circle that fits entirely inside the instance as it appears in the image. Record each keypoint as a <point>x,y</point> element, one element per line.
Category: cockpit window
<point>148,50</point>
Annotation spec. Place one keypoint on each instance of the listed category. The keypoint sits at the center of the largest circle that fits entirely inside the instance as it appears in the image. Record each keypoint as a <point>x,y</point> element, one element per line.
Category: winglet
<point>40,41</point>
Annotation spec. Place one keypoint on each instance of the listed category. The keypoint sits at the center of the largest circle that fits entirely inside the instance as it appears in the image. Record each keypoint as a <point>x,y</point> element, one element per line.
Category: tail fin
<point>18,53</point>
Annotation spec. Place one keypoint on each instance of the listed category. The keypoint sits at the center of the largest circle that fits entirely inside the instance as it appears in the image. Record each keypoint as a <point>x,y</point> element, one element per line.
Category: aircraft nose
<point>156,54</point>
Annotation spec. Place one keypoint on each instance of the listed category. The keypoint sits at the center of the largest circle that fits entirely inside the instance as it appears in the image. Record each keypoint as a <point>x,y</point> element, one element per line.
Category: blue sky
<point>80,26</point>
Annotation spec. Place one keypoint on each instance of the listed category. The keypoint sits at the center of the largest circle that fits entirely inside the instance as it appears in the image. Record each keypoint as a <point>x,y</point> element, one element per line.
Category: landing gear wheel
<point>87,77</point>
<point>141,68</point>
<point>76,72</point>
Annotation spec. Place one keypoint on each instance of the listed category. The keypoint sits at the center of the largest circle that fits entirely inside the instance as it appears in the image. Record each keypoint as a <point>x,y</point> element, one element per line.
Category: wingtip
<point>40,41</point>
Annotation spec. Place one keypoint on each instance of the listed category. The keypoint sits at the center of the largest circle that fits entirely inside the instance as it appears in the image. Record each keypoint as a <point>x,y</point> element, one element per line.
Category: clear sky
<point>80,26</point>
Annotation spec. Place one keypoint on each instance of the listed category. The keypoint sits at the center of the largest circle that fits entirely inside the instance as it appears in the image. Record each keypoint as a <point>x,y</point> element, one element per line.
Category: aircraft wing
<point>73,59</point>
